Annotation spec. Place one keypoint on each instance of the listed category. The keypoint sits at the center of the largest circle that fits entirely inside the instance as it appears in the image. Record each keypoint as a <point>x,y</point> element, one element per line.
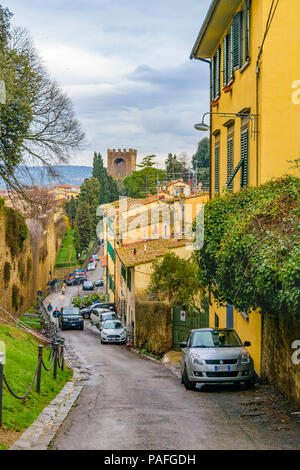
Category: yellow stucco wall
<point>248,330</point>
<point>275,97</point>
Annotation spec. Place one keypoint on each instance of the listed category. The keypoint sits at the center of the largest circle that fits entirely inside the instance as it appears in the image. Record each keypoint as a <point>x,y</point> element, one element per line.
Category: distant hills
<point>67,174</point>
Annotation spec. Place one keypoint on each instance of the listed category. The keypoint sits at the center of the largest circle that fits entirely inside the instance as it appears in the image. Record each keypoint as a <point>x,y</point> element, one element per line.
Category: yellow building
<point>133,269</point>
<point>252,48</point>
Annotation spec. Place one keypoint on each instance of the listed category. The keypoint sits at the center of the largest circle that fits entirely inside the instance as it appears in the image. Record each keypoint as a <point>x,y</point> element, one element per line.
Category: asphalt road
<point>129,403</point>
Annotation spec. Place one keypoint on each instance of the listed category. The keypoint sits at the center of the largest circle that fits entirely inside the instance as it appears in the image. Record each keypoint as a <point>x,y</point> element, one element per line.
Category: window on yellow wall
<point>230,159</point>
<point>217,167</point>
<point>227,67</point>
<point>245,157</point>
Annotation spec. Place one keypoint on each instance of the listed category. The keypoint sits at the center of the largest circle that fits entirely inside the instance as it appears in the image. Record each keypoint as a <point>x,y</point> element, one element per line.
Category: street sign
<point>182,315</point>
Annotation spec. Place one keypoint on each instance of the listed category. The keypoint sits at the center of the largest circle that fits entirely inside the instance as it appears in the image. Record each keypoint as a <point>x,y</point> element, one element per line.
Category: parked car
<point>95,257</point>
<point>99,283</point>
<point>88,285</point>
<point>70,318</point>
<point>86,312</point>
<point>213,355</point>
<point>113,332</point>
<point>75,281</point>
<point>96,314</point>
<point>91,266</point>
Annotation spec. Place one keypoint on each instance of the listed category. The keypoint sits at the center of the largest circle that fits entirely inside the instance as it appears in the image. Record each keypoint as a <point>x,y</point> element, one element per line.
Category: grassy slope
<point>21,362</point>
<point>67,253</point>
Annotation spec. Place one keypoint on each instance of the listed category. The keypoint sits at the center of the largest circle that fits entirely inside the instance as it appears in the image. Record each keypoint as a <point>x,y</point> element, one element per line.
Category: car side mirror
<point>247,344</point>
<point>183,345</point>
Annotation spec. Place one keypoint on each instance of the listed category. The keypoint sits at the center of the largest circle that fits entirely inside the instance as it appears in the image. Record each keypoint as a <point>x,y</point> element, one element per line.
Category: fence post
<point>55,351</point>
<point>39,374</point>
<point>1,391</point>
<point>62,354</point>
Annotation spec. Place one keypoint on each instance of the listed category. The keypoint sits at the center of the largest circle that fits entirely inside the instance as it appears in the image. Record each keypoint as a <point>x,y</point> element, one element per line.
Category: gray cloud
<point>126,67</point>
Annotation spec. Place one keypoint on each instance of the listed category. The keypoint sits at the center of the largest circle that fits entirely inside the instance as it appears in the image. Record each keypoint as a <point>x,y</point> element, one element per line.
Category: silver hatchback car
<point>214,355</point>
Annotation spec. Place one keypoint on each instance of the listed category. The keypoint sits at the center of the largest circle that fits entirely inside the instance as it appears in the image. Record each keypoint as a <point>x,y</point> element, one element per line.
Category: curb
<point>42,431</point>
<point>169,366</point>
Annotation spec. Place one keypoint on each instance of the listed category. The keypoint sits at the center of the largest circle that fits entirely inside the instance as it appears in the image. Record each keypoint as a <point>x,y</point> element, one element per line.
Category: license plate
<point>222,368</point>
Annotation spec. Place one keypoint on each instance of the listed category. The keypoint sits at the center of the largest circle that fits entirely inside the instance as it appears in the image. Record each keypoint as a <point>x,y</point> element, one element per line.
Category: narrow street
<point>131,403</point>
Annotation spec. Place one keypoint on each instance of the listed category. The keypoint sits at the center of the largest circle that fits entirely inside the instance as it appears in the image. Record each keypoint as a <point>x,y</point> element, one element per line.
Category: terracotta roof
<point>154,249</point>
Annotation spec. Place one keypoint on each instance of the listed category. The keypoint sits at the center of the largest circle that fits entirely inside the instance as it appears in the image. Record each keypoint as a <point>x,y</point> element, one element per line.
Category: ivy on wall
<point>6,273</point>
<point>250,257</point>
<point>16,230</point>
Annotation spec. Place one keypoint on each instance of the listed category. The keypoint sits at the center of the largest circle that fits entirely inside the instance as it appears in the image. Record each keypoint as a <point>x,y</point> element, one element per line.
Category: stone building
<point>121,163</point>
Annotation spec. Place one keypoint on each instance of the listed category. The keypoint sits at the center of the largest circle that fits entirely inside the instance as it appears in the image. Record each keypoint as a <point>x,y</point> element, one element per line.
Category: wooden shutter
<point>244,156</point>
<point>213,88</point>
<point>218,71</point>
<point>236,34</point>
<point>230,161</point>
<point>225,60</point>
<point>217,168</point>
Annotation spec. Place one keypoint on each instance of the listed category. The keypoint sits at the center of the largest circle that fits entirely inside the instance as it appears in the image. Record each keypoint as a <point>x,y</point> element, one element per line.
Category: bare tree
<point>52,132</point>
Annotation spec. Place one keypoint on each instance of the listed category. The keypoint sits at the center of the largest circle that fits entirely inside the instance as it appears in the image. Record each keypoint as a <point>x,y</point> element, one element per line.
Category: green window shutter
<point>123,271</point>
<point>129,279</point>
<point>218,71</point>
<point>110,250</point>
<point>213,88</point>
<point>217,168</point>
<point>244,157</point>
<point>230,161</point>
<point>236,34</point>
<point>225,60</point>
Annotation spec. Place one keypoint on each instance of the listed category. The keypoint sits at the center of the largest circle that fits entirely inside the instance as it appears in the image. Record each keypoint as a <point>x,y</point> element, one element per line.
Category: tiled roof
<point>154,249</point>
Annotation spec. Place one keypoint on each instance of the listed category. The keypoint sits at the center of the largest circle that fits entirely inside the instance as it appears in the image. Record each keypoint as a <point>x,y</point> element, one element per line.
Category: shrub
<point>250,257</point>
<point>16,230</point>
<point>6,273</point>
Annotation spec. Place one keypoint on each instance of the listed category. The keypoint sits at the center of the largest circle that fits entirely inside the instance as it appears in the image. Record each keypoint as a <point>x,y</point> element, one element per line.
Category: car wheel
<point>188,385</point>
<point>86,316</point>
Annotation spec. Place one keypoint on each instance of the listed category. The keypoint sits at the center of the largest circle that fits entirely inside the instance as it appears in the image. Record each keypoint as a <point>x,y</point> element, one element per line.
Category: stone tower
<point>121,164</point>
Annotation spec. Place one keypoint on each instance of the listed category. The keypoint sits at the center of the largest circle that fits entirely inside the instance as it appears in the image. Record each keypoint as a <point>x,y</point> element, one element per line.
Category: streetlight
<point>204,127</point>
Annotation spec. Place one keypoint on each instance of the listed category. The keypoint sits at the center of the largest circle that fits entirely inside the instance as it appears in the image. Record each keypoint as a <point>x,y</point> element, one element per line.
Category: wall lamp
<point>205,127</point>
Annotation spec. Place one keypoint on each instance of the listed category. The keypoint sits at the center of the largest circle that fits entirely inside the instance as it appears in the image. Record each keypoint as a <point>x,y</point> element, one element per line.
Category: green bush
<point>87,300</point>
<point>250,257</point>
<point>15,296</point>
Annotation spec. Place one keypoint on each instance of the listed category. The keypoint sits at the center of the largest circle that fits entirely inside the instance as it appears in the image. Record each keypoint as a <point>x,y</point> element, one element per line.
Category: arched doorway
<point>119,167</point>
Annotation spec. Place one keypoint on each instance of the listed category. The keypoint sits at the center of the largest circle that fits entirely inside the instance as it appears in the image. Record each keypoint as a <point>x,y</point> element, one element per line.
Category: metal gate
<point>185,320</point>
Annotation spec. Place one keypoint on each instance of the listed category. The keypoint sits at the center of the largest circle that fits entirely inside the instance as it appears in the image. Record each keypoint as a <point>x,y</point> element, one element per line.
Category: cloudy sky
<point>126,66</point>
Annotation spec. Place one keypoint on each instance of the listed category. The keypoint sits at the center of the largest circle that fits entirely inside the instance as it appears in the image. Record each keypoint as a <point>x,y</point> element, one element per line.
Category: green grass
<point>67,252</point>
<point>21,362</point>
<point>32,322</point>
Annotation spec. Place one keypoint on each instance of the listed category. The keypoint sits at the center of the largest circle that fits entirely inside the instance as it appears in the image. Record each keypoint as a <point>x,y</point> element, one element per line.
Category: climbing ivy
<point>250,257</point>
<point>16,230</point>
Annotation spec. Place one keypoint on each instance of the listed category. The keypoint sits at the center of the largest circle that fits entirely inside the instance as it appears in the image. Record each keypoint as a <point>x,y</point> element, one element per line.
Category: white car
<point>91,266</point>
<point>113,332</point>
<point>96,315</point>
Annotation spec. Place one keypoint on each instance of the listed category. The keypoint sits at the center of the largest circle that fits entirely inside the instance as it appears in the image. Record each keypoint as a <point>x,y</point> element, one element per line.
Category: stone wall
<point>153,326</point>
<point>278,335</point>
<point>29,270</point>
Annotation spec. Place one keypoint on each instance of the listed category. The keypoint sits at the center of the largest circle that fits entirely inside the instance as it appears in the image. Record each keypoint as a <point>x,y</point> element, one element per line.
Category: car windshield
<point>215,339</point>
<point>87,283</point>
<point>108,316</point>
<point>112,325</point>
<point>71,311</point>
